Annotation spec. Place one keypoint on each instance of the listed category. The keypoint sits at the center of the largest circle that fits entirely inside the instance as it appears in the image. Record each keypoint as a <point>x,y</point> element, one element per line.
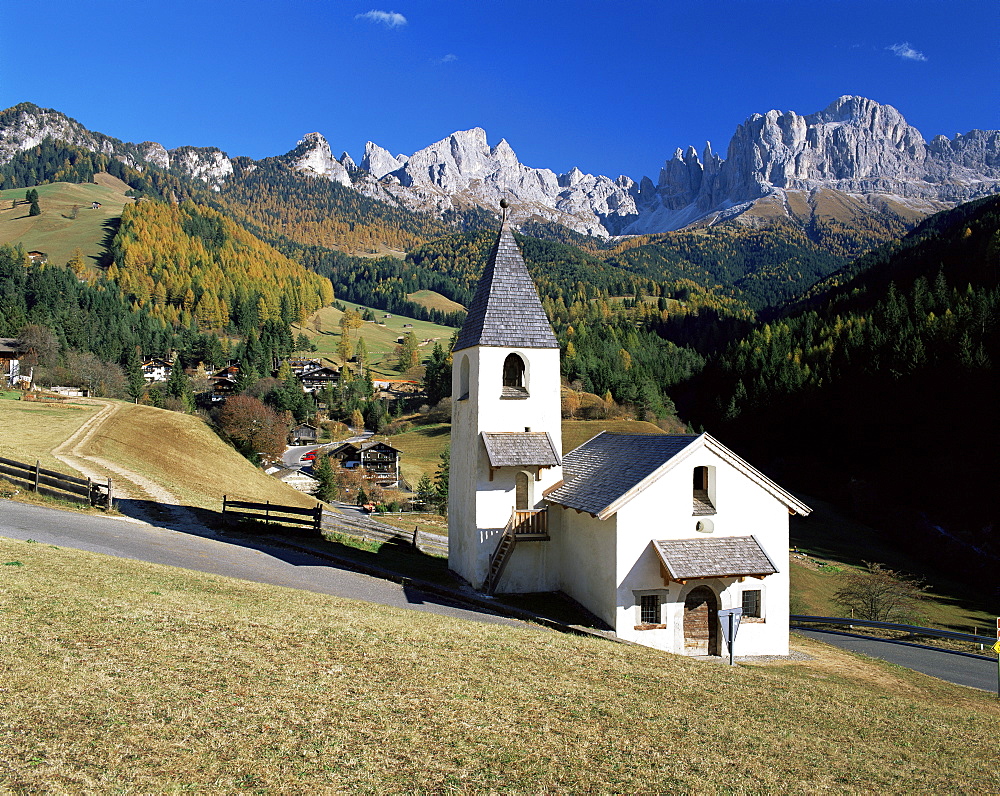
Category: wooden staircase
<point>522,526</point>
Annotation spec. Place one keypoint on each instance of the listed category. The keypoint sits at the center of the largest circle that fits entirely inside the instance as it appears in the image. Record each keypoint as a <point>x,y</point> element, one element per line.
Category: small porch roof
<point>714,557</point>
<point>520,449</point>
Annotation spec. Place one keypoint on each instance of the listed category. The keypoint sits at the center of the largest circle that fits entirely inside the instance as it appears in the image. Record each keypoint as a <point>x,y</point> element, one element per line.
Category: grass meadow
<point>29,430</point>
<point>55,232</point>
<point>126,677</point>
<point>323,328</point>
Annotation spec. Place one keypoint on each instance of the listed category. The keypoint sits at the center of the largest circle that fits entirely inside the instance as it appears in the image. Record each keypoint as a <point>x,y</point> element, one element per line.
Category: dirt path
<point>140,497</point>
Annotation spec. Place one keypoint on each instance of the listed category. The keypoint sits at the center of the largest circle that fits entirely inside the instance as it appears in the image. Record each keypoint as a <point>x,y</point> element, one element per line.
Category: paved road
<point>945,666</point>
<point>218,555</point>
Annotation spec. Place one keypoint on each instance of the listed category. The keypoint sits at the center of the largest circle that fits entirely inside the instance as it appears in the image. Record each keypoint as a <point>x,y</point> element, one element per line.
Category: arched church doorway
<point>701,622</point>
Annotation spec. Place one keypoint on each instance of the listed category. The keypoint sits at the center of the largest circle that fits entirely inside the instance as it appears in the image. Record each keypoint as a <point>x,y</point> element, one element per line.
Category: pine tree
<point>441,479</point>
<point>326,487</point>
<point>133,373</point>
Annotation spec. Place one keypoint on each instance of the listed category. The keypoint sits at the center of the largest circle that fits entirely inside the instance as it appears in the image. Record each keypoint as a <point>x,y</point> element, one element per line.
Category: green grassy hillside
<point>131,677</point>
<point>55,231</point>
<point>323,328</point>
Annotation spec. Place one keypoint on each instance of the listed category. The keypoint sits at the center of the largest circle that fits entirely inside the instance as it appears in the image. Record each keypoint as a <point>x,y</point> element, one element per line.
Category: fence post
<point>111,497</point>
<point>36,476</point>
<point>90,491</point>
<point>267,514</point>
<point>225,521</point>
<point>318,525</point>
<point>416,530</point>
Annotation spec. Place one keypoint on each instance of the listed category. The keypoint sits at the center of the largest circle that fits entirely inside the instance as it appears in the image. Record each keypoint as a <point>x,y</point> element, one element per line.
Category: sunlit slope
<point>132,677</point>
<point>56,231</point>
<point>185,456</point>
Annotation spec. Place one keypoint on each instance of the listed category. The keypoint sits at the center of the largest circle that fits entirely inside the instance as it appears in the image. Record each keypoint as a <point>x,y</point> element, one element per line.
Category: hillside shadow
<point>110,227</point>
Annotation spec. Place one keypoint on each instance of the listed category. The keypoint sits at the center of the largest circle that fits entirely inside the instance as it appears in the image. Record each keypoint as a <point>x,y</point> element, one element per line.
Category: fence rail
<point>915,630</point>
<point>58,485</point>
<point>380,532</point>
<point>272,514</point>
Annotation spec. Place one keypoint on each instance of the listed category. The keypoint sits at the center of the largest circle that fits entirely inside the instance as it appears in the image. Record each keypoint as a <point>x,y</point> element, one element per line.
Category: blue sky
<point>610,87</point>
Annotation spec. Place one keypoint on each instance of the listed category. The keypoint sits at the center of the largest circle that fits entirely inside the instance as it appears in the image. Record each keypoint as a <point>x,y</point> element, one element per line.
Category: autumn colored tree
<point>254,429</point>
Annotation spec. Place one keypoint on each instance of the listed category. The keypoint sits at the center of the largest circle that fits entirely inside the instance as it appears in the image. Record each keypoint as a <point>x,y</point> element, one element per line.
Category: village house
<point>38,258</point>
<point>317,379</point>
<point>10,361</point>
<point>156,369</point>
<point>654,534</point>
<point>378,460</point>
<point>296,479</point>
<point>222,387</point>
<point>304,434</point>
<point>300,365</point>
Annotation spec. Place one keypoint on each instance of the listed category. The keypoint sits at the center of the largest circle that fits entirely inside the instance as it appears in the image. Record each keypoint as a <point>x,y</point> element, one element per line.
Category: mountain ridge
<point>855,148</point>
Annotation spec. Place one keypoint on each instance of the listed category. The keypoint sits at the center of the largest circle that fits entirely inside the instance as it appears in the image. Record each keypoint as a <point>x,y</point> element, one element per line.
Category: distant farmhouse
<point>300,365</point>
<point>38,258</point>
<point>156,369</point>
<point>296,479</point>
<point>654,534</point>
<point>10,361</point>
<point>317,379</point>
<point>304,434</point>
<point>379,460</point>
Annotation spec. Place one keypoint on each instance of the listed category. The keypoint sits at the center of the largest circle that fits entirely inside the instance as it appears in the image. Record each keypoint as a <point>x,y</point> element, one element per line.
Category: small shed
<point>304,433</point>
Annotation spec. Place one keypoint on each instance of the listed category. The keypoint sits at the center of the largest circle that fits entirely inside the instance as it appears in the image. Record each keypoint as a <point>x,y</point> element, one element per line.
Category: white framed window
<point>649,609</point>
<point>753,604</point>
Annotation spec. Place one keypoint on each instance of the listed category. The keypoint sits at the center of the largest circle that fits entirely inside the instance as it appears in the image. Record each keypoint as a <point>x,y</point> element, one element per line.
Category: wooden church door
<point>701,622</point>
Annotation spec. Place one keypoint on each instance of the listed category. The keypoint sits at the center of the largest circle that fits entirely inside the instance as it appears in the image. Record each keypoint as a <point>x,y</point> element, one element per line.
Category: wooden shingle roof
<point>520,449</point>
<point>606,472</point>
<point>506,310</point>
<point>604,469</point>
<point>714,557</point>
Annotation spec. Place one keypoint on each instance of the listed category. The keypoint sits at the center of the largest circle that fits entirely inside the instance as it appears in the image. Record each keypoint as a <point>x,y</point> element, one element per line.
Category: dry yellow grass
<point>127,677</point>
<point>576,432</point>
<point>185,456</point>
<point>30,431</point>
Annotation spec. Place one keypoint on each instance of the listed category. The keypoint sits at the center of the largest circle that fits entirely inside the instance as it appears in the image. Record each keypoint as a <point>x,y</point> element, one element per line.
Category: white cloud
<point>906,52</point>
<point>388,18</point>
<point>447,59</point>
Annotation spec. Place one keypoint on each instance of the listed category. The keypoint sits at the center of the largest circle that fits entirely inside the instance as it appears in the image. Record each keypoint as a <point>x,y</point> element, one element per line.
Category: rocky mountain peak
<point>313,156</point>
<point>378,161</point>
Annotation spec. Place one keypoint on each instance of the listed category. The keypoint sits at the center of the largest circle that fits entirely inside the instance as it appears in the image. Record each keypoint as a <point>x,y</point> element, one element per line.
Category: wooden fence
<point>375,531</point>
<point>58,485</point>
<point>272,515</point>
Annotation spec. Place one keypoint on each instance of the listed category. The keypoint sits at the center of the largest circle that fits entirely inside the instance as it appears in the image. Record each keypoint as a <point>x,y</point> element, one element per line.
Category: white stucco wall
<point>587,560</point>
<point>478,508</point>
<point>664,511</point>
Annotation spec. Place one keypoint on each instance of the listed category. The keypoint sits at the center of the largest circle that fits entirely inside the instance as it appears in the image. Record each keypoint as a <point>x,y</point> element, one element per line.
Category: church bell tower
<point>506,438</point>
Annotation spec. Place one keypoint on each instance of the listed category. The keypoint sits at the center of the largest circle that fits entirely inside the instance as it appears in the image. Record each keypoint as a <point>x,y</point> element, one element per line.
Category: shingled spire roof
<point>506,311</point>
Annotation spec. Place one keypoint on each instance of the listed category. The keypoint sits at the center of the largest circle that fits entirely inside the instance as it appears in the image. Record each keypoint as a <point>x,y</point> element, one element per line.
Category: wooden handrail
<point>530,521</point>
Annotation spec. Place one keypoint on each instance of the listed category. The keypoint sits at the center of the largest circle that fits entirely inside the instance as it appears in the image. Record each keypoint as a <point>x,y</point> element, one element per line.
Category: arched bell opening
<point>515,383</point>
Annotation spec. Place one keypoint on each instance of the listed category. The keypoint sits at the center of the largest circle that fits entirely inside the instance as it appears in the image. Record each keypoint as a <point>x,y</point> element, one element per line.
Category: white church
<point>654,534</point>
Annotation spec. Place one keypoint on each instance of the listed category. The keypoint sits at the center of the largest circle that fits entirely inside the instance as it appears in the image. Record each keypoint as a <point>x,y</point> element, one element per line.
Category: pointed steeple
<point>506,311</point>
